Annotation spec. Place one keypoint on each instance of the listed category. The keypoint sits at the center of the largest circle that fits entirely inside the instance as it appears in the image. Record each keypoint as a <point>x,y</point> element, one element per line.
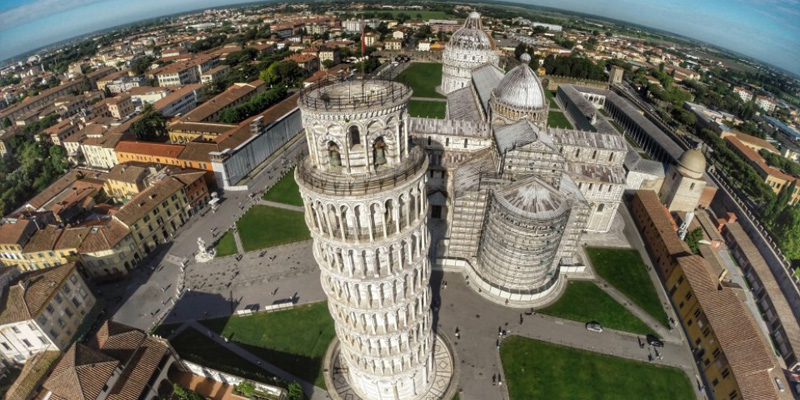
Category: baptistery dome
<point>469,48</point>
<point>520,95</point>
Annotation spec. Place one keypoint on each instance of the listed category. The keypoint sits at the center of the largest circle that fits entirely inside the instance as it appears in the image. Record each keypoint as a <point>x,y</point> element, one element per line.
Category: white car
<point>594,327</point>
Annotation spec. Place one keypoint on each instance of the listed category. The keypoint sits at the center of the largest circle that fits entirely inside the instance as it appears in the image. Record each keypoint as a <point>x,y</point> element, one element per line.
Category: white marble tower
<point>364,194</point>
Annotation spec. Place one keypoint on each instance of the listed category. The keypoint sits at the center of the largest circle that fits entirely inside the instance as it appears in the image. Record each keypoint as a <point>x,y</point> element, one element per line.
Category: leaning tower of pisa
<point>364,194</point>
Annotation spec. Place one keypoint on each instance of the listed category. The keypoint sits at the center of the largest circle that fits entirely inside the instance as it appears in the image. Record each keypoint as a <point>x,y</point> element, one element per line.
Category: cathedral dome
<point>692,164</point>
<point>520,88</point>
<point>471,36</point>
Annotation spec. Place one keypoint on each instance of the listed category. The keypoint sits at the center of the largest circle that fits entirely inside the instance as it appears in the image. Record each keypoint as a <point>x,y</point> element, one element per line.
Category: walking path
<point>281,205</point>
<point>238,240</point>
<point>665,334</point>
<point>313,392</point>
<point>441,100</point>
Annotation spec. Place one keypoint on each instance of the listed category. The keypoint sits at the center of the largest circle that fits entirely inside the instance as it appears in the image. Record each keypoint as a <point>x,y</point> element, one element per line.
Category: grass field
<point>539,370</point>
<point>415,14</point>
<point>557,119</point>
<point>427,109</point>
<point>293,340</point>
<point>226,245</point>
<point>584,301</point>
<point>625,270</point>
<point>423,78</point>
<point>550,94</point>
<point>285,191</point>
<point>198,348</point>
<point>264,226</point>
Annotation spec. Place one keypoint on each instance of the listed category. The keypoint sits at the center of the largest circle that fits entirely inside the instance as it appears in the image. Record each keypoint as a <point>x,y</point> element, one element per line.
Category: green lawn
<point>285,191</point>
<point>557,119</point>
<point>539,370</point>
<point>584,301</point>
<point>226,245</point>
<point>427,109</point>
<point>550,97</point>
<point>264,226</point>
<point>423,78</point>
<point>625,270</point>
<point>426,14</point>
<point>199,348</point>
<point>294,340</point>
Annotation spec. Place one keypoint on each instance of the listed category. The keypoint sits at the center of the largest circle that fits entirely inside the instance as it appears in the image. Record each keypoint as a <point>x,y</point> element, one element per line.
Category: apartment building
<point>773,177</point>
<point>732,354</point>
<point>180,101</point>
<point>214,74</point>
<point>43,310</point>
<point>120,106</point>
<point>184,72</point>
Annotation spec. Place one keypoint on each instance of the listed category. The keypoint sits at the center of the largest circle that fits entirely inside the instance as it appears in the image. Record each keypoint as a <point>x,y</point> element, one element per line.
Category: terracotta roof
<point>103,236</point>
<point>129,172</point>
<point>735,331</point>
<point>43,240</point>
<point>22,304</point>
<point>175,95</point>
<point>145,201</point>
<point>149,148</point>
<point>72,238</point>
<point>143,90</point>
<point>14,232</point>
<point>300,58</point>
<point>198,151</point>
<point>188,176</point>
<point>759,162</point>
<point>662,222</point>
<point>32,375</point>
<point>757,141</point>
<point>61,184</point>
<point>81,374</point>
<point>222,100</point>
<point>118,340</point>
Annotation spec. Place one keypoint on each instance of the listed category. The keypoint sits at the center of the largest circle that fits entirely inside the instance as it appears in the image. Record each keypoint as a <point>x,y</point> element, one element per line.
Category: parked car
<point>594,326</point>
<point>652,340</point>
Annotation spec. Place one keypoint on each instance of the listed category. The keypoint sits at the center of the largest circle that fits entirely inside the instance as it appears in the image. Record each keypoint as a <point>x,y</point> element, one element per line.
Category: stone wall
<point>552,82</point>
<point>223,377</point>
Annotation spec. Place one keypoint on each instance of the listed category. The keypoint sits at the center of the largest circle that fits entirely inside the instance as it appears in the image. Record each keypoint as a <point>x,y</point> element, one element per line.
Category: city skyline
<point>763,29</point>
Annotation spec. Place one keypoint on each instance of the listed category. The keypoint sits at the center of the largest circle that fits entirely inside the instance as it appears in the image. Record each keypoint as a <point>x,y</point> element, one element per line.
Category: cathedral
<point>490,191</point>
<point>516,194</point>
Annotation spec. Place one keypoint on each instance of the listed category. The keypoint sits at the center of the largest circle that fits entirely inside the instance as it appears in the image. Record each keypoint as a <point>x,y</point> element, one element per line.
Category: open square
<point>539,370</point>
<point>264,226</point>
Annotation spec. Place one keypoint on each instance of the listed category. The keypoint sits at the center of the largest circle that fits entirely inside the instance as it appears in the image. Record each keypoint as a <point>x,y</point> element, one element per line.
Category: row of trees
<point>576,67</point>
<point>775,160</point>
<point>257,104</point>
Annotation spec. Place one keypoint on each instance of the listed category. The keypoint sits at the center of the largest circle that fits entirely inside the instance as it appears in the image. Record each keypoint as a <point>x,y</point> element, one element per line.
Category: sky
<point>767,30</point>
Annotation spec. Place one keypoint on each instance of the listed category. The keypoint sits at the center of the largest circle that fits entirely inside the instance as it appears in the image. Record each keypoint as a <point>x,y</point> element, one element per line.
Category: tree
<point>181,393</point>
<point>58,159</point>
<point>151,126</point>
<point>327,64</point>
<point>295,392</point>
<point>787,230</point>
<point>140,65</point>
<point>246,388</point>
<point>693,239</point>
<point>286,72</point>
<point>6,122</point>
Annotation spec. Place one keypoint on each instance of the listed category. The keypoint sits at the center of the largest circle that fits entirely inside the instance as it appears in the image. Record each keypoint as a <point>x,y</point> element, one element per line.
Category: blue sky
<point>768,30</point>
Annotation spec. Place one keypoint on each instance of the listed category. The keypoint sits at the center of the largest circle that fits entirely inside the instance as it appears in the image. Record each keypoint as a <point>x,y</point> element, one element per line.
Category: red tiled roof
<point>149,148</point>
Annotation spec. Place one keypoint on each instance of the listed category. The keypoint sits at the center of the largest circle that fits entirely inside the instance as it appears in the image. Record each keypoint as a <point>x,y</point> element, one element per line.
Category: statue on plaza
<point>204,254</point>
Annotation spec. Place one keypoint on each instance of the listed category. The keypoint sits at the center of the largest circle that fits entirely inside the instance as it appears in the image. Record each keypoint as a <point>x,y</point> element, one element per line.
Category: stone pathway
<point>281,205</point>
<point>238,240</point>
<point>665,334</point>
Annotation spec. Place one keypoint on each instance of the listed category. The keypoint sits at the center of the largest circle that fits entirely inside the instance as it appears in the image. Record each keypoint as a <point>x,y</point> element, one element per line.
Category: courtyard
<point>539,370</point>
<point>423,79</point>
<point>625,270</point>
<point>583,301</point>
<point>265,226</point>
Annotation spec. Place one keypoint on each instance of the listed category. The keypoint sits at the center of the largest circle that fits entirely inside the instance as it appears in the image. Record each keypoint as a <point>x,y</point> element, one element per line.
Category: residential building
<point>370,39</point>
<point>147,94</point>
<point>43,310</point>
<point>118,363</point>
<point>773,177</point>
<point>658,231</point>
<point>126,180</point>
<point>393,44</point>
<point>732,354</point>
<point>120,106</point>
<point>155,214</point>
<point>743,93</point>
<point>755,143</point>
<point>308,62</point>
<point>180,101</point>
<point>766,103</point>
<point>233,96</point>
<point>14,235</point>
<point>331,53</point>
<point>214,74</point>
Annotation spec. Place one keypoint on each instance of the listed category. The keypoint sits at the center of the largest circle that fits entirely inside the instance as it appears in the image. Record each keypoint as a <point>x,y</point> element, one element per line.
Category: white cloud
<point>38,9</point>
